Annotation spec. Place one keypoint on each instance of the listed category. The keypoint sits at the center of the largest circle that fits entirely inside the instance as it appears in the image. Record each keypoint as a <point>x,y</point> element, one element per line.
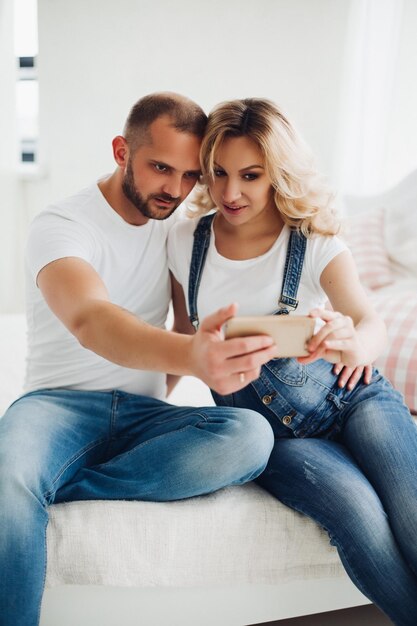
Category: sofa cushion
<point>237,535</point>
<point>401,238</point>
<point>397,306</point>
<point>365,236</point>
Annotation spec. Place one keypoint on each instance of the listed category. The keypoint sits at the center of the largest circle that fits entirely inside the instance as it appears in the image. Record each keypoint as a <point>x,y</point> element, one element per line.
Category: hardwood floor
<point>360,616</point>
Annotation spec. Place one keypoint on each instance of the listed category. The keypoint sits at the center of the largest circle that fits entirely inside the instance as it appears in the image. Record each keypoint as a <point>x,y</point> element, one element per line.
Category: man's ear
<point>120,151</point>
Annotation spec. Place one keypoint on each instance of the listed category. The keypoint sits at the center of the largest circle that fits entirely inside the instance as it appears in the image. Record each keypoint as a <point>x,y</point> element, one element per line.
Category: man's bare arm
<point>77,296</point>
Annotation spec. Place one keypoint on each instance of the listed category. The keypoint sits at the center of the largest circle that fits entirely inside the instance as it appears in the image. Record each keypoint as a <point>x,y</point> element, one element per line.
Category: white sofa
<point>236,557</point>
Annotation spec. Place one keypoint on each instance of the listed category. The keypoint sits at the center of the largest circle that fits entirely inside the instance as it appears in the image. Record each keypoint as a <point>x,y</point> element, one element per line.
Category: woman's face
<point>241,188</point>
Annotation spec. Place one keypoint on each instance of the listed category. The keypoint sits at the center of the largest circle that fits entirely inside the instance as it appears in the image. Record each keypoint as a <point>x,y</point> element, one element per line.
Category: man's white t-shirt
<point>131,261</point>
<point>254,283</point>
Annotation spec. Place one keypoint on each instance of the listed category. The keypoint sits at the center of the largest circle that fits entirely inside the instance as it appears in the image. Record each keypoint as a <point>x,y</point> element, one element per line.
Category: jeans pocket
<point>288,371</point>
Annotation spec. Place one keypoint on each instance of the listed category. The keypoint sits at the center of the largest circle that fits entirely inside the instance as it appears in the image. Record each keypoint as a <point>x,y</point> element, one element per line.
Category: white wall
<point>96,58</point>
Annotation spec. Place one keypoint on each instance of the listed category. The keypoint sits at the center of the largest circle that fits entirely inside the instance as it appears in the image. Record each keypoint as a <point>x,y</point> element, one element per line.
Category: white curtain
<point>372,49</point>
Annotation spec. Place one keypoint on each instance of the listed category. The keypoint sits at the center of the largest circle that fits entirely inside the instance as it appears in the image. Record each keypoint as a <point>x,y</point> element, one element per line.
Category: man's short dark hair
<point>186,116</point>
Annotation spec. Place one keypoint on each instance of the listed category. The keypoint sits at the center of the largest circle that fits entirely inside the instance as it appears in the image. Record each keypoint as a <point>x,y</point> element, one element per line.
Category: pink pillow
<point>365,238</point>
<point>399,360</point>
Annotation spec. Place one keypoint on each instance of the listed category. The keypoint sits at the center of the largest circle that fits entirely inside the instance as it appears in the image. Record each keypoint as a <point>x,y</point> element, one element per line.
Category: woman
<point>345,455</point>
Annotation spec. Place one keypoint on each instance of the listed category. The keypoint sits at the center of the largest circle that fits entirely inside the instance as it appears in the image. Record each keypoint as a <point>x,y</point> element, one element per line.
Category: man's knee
<point>250,442</point>
<point>20,487</point>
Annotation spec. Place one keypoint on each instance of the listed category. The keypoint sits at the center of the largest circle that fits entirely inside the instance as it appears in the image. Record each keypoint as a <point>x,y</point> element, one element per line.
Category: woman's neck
<point>249,240</point>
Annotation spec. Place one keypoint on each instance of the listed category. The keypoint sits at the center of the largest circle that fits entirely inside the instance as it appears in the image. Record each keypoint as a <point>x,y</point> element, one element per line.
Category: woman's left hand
<point>337,341</point>
<point>350,376</point>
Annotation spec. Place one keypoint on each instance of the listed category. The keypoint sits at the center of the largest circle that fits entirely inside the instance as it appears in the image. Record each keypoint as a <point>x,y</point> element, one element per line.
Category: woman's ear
<point>120,151</point>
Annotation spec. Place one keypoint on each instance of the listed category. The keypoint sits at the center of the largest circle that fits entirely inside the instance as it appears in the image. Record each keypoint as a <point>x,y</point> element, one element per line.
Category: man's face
<point>160,174</point>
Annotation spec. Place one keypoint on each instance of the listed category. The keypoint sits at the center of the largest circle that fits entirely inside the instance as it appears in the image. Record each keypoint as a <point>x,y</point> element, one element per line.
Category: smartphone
<point>290,332</point>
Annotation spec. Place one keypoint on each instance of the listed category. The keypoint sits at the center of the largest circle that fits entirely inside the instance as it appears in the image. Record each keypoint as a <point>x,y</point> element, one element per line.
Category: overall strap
<point>201,244</point>
<point>292,273</point>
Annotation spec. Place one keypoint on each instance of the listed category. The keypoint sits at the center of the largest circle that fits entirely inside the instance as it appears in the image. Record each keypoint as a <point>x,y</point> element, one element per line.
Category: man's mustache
<point>166,197</point>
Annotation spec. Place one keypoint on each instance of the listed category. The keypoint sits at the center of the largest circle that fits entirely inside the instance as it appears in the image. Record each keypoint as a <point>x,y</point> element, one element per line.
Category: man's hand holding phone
<point>227,366</point>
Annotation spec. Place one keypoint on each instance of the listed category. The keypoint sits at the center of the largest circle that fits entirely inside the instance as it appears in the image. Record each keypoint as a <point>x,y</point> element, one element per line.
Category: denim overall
<point>298,400</point>
<point>347,459</point>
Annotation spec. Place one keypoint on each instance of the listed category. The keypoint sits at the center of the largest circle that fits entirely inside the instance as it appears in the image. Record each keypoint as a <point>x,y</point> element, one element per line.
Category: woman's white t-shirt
<point>131,261</point>
<point>255,284</point>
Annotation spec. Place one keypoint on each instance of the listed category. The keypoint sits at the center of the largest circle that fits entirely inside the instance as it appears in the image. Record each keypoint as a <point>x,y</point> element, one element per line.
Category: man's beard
<point>143,205</point>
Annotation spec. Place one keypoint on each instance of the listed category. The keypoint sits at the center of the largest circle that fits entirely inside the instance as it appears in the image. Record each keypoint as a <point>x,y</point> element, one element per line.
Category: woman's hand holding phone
<point>336,341</point>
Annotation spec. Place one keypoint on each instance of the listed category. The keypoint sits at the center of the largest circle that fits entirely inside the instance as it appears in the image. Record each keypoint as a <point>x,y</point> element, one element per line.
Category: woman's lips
<point>234,210</point>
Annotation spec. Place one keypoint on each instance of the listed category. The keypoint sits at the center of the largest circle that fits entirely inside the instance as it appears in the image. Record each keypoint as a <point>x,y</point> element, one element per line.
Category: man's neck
<point>111,188</point>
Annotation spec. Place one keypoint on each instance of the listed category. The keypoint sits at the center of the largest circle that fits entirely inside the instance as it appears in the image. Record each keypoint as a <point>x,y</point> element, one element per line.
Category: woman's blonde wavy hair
<point>300,194</point>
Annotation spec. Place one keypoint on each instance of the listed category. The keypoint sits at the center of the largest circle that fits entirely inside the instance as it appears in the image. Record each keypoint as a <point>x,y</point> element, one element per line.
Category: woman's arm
<point>181,324</point>
<point>353,328</point>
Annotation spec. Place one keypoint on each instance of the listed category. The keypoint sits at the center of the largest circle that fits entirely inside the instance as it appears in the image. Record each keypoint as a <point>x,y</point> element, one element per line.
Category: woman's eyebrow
<point>252,167</point>
<point>248,167</point>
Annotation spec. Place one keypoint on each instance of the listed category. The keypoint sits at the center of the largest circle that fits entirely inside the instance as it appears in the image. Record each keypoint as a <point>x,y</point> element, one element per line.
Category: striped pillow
<point>365,238</point>
<point>399,360</point>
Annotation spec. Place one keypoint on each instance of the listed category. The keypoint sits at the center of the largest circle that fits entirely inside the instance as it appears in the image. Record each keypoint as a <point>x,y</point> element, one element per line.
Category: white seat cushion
<point>236,535</point>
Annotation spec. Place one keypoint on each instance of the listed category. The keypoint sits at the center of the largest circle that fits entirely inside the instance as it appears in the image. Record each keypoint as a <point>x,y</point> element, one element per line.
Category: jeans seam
<point>171,419</point>
<point>113,414</point>
<point>319,382</point>
<point>68,464</point>
<point>333,541</point>
<point>279,372</point>
<point>352,573</point>
<point>45,562</point>
<point>148,441</point>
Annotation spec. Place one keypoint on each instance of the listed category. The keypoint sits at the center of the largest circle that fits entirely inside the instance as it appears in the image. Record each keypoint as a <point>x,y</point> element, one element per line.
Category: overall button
<point>267,399</point>
<point>286,420</point>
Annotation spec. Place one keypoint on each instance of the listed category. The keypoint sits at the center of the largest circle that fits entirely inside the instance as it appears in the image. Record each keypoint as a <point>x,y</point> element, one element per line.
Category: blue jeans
<point>348,460</point>
<point>59,445</point>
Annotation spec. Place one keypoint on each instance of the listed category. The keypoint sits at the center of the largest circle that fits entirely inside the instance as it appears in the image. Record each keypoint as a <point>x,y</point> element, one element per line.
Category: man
<point>93,423</point>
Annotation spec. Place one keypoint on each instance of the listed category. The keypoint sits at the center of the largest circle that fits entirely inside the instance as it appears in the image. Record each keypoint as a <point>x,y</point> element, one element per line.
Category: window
<point>27,97</point>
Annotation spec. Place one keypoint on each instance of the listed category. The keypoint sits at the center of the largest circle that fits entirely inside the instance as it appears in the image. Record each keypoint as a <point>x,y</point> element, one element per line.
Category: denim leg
<point>161,452</point>
<point>321,479</point>
<point>382,437</point>
<point>131,447</point>
<point>43,442</point>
